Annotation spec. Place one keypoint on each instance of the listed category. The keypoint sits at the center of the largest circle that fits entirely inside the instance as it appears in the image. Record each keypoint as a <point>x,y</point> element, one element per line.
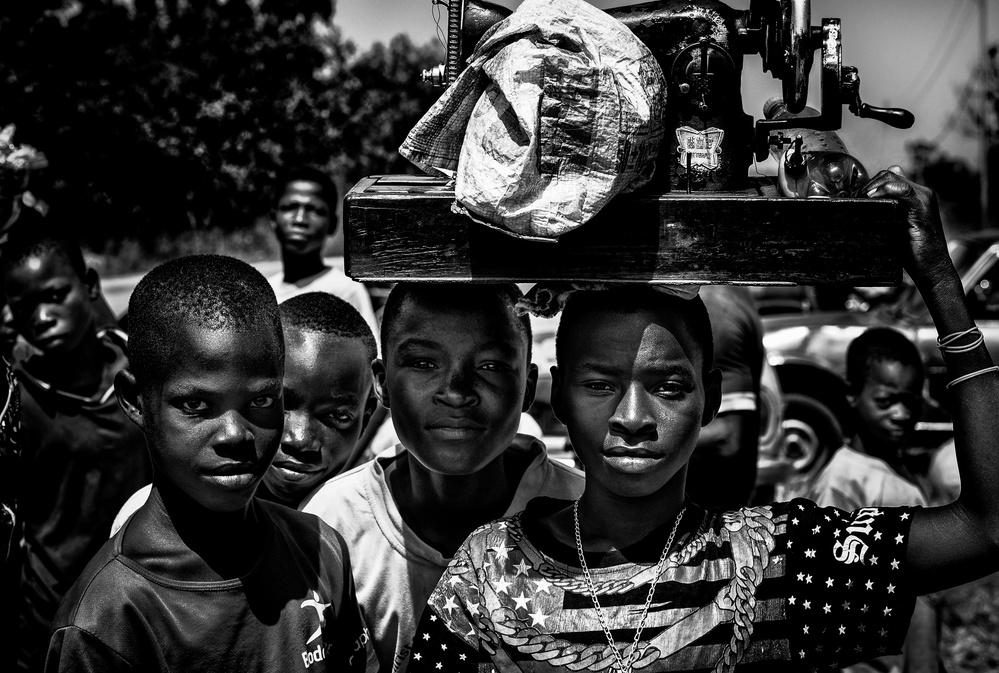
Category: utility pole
<point>983,115</point>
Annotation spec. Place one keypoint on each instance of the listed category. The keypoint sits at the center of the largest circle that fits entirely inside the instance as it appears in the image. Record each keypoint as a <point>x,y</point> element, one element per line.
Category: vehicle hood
<point>819,338</point>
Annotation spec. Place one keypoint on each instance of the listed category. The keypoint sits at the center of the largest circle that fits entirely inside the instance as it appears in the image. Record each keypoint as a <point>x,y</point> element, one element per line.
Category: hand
<point>925,256</point>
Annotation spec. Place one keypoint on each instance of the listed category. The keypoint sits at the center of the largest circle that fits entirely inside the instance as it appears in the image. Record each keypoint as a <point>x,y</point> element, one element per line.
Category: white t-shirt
<point>395,571</point>
<point>334,281</point>
<point>853,480</point>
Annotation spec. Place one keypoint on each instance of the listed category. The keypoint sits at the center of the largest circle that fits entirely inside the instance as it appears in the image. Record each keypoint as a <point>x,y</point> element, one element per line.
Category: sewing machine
<point>702,219</point>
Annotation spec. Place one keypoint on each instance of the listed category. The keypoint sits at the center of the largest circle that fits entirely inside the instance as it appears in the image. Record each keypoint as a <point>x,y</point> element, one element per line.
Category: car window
<point>983,299</point>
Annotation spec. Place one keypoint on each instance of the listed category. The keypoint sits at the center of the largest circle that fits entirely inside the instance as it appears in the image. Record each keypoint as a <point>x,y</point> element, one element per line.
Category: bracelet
<point>944,342</point>
<point>962,379</point>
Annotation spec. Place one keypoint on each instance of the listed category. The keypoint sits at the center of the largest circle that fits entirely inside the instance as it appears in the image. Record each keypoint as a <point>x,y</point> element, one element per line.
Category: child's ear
<point>712,396</point>
<point>126,389</point>
<point>531,389</point>
<point>556,394</point>
<point>381,390</point>
<point>93,281</point>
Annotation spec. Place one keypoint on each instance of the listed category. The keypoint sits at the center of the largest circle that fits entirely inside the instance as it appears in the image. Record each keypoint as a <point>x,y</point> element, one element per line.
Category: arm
<point>959,542</point>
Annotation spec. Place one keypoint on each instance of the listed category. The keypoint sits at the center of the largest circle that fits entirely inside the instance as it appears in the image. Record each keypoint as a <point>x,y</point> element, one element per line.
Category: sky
<point>914,54</point>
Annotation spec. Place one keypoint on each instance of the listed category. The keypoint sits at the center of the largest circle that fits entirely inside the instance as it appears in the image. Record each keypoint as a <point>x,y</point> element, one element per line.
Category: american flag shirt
<point>790,586</point>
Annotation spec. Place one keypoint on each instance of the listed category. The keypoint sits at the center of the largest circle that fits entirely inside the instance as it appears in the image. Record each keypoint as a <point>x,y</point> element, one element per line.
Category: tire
<point>811,435</point>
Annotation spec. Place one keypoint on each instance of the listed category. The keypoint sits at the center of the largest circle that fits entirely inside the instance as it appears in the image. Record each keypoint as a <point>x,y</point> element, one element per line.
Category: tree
<point>160,116</point>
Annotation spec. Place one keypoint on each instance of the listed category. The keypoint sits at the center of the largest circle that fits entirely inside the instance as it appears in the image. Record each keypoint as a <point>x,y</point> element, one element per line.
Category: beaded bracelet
<point>944,342</point>
<point>962,379</point>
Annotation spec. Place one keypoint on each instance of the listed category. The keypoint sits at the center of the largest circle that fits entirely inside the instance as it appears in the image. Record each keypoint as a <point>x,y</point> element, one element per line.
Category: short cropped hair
<point>327,314</point>
<point>34,234</point>
<point>878,344</point>
<point>632,300</point>
<point>306,173</point>
<point>456,295</point>
<point>212,292</point>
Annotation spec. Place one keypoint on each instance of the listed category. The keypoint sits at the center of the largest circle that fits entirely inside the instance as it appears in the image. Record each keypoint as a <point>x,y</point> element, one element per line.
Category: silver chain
<point>621,666</point>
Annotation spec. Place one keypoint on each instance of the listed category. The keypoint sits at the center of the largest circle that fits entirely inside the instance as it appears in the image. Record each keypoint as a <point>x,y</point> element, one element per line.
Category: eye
<point>598,386</point>
<point>495,366</point>
<point>883,402</point>
<point>671,389</point>
<point>341,416</point>
<point>264,402</point>
<point>420,363</point>
<point>193,405</point>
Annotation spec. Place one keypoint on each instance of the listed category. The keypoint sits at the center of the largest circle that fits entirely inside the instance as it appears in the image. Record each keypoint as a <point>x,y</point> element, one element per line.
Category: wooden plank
<point>402,228</point>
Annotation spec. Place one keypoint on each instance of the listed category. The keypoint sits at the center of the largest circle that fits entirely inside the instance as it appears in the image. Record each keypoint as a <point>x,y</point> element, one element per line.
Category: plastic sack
<point>560,108</point>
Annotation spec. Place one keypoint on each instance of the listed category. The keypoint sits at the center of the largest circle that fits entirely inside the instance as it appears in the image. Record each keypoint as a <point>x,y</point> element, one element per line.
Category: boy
<point>632,577</point>
<point>456,375</point>
<point>205,577</point>
<point>327,393</point>
<point>304,215</point>
<point>81,457</point>
<point>885,377</point>
<point>328,396</point>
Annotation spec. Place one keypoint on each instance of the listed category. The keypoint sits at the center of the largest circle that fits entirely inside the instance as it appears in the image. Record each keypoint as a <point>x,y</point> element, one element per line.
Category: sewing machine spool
<point>703,219</point>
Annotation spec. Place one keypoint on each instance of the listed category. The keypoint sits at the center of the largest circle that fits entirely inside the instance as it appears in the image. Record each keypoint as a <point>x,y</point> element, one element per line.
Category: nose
<point>457,388</point>
<point>298,439</point>
<point>633,417</point>
<point>232,431</point>
<point>900,412</point>
<point>44,318</point>
<point>299,214</point>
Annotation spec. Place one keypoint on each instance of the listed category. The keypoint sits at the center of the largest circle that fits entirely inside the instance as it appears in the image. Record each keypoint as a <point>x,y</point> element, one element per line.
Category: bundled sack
<point>560,108</point>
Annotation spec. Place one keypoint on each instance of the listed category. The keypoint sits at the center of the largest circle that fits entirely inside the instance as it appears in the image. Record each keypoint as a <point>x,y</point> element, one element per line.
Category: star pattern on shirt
<point>859,613</point>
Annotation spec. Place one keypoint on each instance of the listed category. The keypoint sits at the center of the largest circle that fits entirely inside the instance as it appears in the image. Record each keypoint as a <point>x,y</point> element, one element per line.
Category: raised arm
<point>959,542</point>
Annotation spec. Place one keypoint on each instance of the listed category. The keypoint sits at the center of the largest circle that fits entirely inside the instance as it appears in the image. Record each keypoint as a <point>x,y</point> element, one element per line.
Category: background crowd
<point>187,135</point>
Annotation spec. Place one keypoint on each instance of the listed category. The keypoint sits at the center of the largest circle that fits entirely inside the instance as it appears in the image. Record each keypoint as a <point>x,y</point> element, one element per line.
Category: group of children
<point>469,548</point>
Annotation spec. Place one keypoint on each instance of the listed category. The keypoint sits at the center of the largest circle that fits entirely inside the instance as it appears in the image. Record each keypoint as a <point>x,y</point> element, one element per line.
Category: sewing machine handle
<point>893,116</point>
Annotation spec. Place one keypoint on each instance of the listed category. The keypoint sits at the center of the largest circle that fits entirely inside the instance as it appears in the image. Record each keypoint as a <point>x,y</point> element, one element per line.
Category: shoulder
<point>101,594</point>
<point>543,476</point>
<point>307,536</point>
<point>345,501</point>
<point>345,487</point>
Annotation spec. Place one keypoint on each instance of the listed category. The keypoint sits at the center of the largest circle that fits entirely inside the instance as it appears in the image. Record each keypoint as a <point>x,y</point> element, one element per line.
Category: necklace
<point>622,666</point>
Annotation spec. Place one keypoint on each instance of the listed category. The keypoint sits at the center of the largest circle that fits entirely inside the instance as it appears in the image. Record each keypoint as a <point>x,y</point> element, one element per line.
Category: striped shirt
<point>748,589</point>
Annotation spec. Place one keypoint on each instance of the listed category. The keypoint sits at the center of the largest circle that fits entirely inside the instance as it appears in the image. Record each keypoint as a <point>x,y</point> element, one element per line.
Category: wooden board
<point>402,228</point>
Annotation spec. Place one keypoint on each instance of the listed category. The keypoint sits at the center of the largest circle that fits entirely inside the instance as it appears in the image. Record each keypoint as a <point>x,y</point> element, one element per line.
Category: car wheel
<point>811,435</point>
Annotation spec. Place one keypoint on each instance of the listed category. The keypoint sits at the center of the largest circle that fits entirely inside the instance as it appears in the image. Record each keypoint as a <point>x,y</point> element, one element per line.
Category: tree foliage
<point>160,116</point>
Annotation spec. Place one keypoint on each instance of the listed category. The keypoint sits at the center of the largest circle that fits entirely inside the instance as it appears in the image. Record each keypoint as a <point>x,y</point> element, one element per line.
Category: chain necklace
<point>623,667</point>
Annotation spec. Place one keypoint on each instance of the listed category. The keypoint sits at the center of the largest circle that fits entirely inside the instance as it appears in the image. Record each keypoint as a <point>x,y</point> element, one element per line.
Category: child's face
<point>890,403</point>
<point>327,400</point>
<point>456,381</point>
<point>51,305</point>
<point>302,218</point>
<point>214,421</point>
<point>630,389</point>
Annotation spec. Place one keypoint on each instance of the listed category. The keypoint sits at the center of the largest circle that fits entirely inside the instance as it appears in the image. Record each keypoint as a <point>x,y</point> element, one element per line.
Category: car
<point>807,349</point>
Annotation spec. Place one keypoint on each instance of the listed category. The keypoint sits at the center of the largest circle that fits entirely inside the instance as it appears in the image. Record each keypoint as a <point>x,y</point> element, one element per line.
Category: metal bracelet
<point>944,343</point>
<point>962,379</point>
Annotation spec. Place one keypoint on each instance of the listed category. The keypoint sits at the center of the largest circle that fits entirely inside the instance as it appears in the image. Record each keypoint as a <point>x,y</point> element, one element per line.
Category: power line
<point>947,54</point>
<point>938,50</point>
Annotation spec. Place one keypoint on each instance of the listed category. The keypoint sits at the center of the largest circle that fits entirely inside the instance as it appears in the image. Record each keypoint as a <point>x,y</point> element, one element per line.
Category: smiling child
<point>634,577</point>
<point>328,396</point>
<point>456,375</point>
